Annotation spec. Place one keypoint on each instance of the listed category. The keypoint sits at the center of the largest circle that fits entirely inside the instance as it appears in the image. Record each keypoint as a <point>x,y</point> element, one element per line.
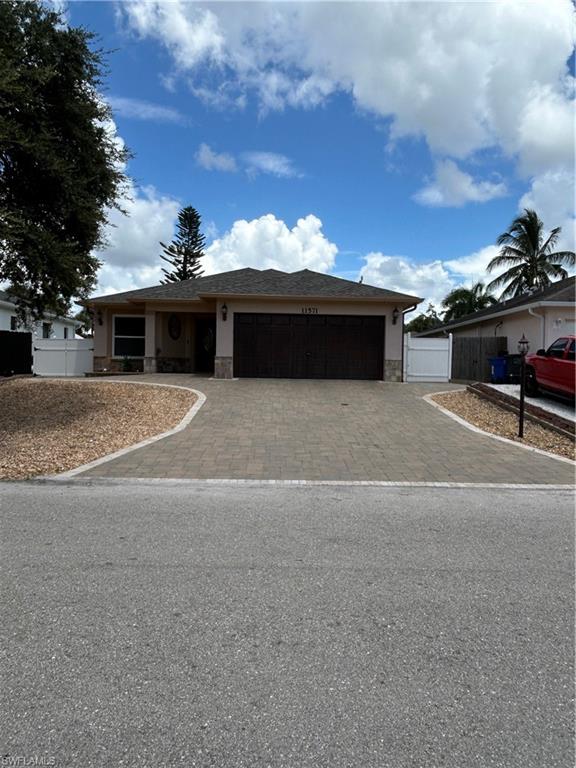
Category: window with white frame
<point>13,323</point>
<point>65,332</point>
<point>129,335</point>
<point>46,330</point>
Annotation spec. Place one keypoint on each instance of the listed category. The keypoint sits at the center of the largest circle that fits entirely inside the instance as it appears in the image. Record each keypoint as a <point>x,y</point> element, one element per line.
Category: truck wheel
<point>531,384</point>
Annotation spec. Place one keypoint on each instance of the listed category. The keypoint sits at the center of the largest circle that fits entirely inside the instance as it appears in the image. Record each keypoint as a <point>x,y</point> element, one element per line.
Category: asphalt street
<point>176,624</point>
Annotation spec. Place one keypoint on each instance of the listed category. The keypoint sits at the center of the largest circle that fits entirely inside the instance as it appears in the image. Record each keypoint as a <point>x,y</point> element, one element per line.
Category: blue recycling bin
<point>498,367</point>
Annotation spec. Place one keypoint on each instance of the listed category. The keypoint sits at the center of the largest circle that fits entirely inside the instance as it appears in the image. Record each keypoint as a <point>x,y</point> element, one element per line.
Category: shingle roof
<point>561,291</point>
<point>255,282</point>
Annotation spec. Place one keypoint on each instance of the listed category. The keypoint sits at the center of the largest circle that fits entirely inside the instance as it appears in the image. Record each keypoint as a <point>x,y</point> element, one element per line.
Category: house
<point>541,315</point>
<point>18,342</point>
<point>255,323</point>
<point>49,327</point>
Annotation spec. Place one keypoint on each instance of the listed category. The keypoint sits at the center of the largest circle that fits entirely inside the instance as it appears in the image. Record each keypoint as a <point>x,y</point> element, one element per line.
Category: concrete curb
<point>472,428</point>
<point>200,400</point>
<point>223,482</point>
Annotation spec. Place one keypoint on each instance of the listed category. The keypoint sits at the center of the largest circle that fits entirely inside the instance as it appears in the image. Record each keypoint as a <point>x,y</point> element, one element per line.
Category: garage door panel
<point>308,346</point>
<point>315,346</point>
<point>298,347</point>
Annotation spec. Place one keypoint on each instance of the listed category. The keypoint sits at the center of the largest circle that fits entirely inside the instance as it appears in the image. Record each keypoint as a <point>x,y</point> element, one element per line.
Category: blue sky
<point>403,137</point>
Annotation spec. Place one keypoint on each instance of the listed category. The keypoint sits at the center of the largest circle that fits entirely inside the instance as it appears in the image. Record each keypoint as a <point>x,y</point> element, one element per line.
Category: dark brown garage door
<point>308,346</point>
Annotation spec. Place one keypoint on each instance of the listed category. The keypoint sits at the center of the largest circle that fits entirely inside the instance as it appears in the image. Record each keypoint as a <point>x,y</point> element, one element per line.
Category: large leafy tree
<point>61,165</point>
<point>86,317</point>
<point>463,301</point>
<point>529,257</point>
<point>424,322</point>
<point>185,251</point>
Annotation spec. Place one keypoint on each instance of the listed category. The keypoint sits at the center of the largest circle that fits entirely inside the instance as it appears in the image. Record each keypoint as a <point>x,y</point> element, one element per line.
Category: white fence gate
<point>62,357</point>
<point>427,359</point>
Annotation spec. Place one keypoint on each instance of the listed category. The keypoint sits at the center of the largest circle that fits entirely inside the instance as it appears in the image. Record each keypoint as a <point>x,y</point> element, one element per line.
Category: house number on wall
<point>309,310</point>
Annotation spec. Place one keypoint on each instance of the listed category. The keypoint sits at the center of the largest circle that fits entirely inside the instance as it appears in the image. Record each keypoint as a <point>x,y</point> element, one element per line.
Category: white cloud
<point>210,230</point>
<point>269,162</point>
<point>191,34</point>
<point>432,280</point>
<point>222,97</point>
<point>546,131</point>
<point>472,268</point>
<point>131,257</point>
<point>453,187</point>
<point>552,196</point>
<point>444,71</point>
<point>214,161</point>
<point>253,163</point>
<point>144,110</point>
<point>267,243</point>
<point>114,279</point>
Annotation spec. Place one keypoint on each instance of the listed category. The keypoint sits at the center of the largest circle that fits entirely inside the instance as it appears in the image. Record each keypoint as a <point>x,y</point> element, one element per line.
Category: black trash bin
<point>513,369</point>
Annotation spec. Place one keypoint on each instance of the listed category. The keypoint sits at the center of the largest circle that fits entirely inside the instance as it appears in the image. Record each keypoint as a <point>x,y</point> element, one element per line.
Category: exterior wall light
<point>523,345</point>
<point>224,310</point>
<point>99,317</point>
<point>395,315</point>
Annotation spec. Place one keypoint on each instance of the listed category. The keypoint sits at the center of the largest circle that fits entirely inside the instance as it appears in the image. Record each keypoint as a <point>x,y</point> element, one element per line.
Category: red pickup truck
<point>553,369</point>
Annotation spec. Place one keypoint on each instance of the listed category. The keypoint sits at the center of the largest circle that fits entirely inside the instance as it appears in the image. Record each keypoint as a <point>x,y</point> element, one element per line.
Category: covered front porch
<point>156,340</point>
<point>184,342</point>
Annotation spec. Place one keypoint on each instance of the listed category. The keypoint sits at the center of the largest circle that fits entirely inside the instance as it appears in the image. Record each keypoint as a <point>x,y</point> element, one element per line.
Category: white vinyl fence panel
<point>62,357</point>
<point>427,359</point>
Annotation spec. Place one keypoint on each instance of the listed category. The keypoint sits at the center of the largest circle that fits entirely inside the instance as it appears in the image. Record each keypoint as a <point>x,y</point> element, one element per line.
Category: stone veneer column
<point>223,368</point>
<point>392,370</point>
<point>150,343</point>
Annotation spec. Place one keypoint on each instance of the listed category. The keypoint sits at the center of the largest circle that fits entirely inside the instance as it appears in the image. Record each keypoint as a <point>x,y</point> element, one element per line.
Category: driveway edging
<point>247,483</point>
<point>200,400</point>
<point>473,428</point>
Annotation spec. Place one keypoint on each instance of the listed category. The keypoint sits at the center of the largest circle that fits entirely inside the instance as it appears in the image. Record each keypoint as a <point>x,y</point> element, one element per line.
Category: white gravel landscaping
<point>546,403</point>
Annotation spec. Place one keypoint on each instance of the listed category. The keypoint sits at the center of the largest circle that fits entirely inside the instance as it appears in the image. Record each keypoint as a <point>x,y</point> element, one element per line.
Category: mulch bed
<point>50,426</point>
<point>539,415</point>
<point>498,421</point>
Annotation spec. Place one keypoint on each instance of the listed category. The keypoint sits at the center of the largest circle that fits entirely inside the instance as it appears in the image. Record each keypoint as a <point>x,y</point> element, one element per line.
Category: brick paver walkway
<point>328,430</point>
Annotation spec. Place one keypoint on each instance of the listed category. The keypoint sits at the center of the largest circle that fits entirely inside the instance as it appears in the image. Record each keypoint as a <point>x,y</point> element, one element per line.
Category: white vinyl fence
<point>427,359</point>
<point>62,357</point>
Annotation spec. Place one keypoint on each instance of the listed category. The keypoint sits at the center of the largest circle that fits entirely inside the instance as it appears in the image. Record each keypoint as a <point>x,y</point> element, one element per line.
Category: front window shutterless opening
<point>129,335</point>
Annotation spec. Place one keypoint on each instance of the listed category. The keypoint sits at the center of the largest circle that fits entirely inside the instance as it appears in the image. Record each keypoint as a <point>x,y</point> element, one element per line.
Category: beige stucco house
<point>255,323</point>
<point>542,316</point>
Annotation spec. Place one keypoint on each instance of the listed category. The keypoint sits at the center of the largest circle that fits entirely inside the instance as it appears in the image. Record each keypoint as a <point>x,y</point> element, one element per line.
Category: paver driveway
<point>328,430</point>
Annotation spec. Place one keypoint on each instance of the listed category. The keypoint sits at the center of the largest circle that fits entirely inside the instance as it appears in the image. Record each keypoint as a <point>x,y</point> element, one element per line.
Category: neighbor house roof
<point>259,283</point>
<point>560,292</point>
<point>7,299</point>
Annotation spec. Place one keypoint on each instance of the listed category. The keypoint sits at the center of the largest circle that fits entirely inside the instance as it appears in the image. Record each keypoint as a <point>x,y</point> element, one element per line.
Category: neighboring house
<point>49,327</point>
<point>255,323</point>
<point>542,316</point>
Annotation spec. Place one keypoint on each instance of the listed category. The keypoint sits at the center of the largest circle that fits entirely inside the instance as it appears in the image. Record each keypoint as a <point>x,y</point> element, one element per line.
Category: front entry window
<point>209,340</point>
<point>205,344</point>
<point>129,335</point>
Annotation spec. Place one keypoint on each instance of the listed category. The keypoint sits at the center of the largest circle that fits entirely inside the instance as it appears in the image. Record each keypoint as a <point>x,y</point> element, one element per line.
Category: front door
<point>205,344</point>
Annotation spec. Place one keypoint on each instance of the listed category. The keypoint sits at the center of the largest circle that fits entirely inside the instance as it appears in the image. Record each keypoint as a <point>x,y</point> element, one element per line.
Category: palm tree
<point>463,301</point>
<point>530,257</point>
